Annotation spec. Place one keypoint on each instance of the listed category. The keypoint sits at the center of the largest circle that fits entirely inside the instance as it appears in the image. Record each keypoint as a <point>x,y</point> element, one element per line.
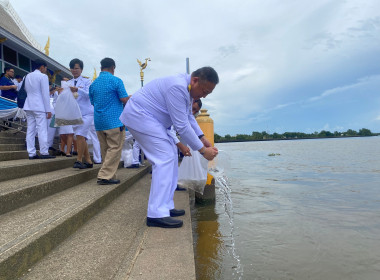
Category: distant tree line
<point>260,136</point>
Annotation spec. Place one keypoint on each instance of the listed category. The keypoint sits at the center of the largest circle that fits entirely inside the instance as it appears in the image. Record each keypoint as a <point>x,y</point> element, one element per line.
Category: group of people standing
<point>149,115</point>
<point>38,112</point>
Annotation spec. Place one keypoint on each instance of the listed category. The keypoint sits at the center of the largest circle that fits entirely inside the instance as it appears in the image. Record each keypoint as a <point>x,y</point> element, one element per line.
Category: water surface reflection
<point>312,212</point>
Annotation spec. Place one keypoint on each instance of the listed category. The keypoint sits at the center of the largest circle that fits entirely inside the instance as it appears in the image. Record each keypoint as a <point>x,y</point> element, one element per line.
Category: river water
<point>310,211</point>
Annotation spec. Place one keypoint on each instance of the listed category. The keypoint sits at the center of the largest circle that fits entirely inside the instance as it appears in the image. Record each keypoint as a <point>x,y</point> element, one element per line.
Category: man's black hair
<point>6,69</point>
<point>38,63</point>
<point>76,61</point>
<point>199,102</point>
<point>107,63</point>
<point>206,74</point>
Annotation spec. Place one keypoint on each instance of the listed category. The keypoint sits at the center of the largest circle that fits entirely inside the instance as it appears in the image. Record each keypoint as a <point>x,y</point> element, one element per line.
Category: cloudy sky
<point>284,65</point>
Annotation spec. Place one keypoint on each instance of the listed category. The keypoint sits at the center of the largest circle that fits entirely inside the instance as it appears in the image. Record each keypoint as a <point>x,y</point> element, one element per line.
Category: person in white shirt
<point>37,109</point>
<point>18,81</point>
<point>196,107</point>
<point>148,114</point>
<point>96,154</point>
<point>52,130</point>
<point>80,88</point>
<point>135,155</point>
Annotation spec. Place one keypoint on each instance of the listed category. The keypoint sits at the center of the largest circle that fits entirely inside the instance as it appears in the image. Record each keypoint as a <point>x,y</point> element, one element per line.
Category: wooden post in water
<point>207,126</point>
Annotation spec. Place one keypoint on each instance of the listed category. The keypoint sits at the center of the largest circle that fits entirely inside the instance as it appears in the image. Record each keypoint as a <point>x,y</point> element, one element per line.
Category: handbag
<point>22,94</point>
<point>52,122</point>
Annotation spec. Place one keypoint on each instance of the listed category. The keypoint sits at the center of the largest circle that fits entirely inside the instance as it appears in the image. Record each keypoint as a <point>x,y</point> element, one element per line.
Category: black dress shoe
<point>82,165</point>
<point>34,157</point>
<point>108,182</point>
<point>79,165</point>
<point>60,153</point>
<point>46,156</point>
<point>165,222</point>
<point>88,165</point>
<point>75,153</point>
<point>177,212</point>
<point>180,188</point>
<point>134,166</point>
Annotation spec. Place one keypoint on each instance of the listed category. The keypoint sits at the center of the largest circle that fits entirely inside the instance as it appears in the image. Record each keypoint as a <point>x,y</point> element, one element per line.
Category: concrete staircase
<point>8,139</point>
<point>47,206</point>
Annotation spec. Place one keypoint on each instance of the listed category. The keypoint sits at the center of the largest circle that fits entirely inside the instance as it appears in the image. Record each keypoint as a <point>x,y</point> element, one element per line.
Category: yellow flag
<point>93,78</point>
<point>47,46</point>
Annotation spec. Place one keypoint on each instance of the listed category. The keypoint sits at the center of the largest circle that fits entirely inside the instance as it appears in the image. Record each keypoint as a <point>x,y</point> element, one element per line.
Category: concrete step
<point>21,168</point>
<point>10,140</point>
<point>104,245</point>
<point>31,232</point>
<point>116,244</point>
<point>12,147</point>
<point>12,134</point>
<point>21,146</point>
<point>13,155</point>
<point>166,253</point>
<point>22,191</point>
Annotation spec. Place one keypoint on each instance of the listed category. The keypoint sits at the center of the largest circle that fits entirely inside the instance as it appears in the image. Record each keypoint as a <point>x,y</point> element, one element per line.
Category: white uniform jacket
<point>37,87</point>
<point>165,101</point>
<point>83,85</point>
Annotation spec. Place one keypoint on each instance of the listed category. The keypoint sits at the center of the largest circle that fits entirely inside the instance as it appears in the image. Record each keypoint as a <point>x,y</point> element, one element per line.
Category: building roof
<point>19,38</point>
<point>10,21</point>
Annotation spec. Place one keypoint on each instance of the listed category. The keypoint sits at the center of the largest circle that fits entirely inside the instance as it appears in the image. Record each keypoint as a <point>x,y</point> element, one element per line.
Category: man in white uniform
<point>135,155</point>
<point>148,114</point>
<point>96,154</point>
<point>80,87</point>
<point>37,109</point>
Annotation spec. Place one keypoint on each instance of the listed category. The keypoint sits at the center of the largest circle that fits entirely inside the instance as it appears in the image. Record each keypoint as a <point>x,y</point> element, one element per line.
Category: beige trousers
<point>111,143</point>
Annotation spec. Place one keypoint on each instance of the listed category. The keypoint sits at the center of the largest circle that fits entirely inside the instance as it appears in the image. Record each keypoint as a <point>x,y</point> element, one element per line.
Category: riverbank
<point>305,138</point>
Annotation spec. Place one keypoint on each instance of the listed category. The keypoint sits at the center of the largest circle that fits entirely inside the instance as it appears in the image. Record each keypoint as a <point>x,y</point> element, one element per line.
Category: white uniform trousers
<point>37,124</point>
<point>136,153</point>
<point>96,154</point>
<point>51,133</point>
<point>162,154</point>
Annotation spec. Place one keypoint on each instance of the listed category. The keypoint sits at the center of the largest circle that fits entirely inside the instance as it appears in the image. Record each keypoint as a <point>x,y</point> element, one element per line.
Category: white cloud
<point>362,82</point>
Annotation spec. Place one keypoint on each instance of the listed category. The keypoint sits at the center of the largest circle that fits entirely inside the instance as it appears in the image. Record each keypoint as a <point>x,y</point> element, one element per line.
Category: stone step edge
<point>6,156</point>
<point>38,166</point>
<point>14,263</point>
<point>12,147</point>
<point>13,134</point>
<point>18,198</point>
<point>6,140</point>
